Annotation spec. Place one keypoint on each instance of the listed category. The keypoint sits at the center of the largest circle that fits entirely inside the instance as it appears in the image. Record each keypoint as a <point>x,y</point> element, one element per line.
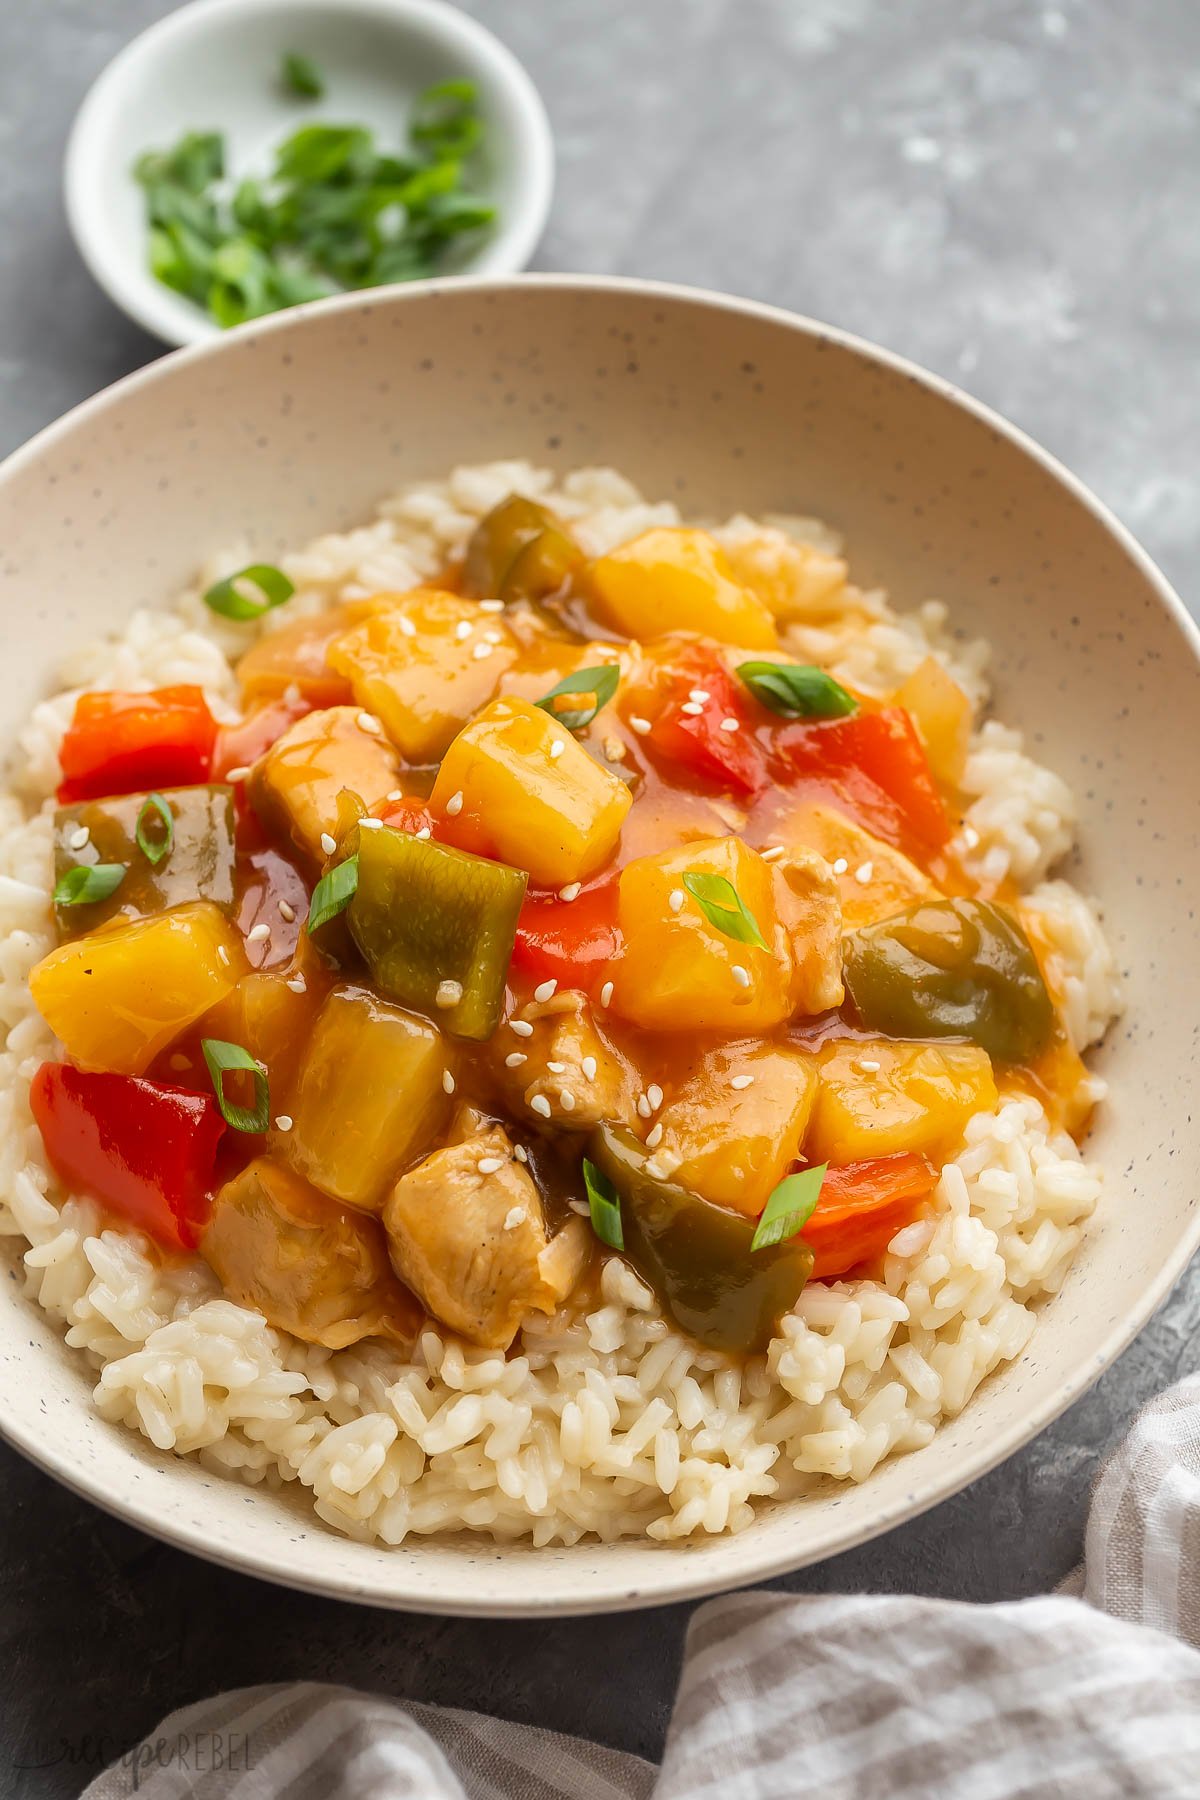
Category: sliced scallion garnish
<point>87,882</point>
<point>301,76</point>
<point>724,907</point>
<point>156,847</point>
<point>223,1059</point>
<point>797,690</point>
<point>789,1208</point>
<point>597,686</point>
<point>230,599</point>
<point>605,1206</point>
<point>334,891</point>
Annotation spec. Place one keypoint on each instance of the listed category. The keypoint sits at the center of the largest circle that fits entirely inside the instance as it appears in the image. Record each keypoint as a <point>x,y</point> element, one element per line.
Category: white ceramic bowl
<point>301,423</point>
<point>214,65</point>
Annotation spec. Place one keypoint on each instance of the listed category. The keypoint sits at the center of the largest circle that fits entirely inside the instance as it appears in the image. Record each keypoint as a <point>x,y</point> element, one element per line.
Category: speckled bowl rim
<point>674,1572</point>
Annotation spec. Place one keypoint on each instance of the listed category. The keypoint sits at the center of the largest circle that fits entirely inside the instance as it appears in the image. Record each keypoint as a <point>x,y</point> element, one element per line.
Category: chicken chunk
<point>874,881</point>
<point>570,1071</point>
<point>309,1265</point>
<point>295,786</point>
<point>466,1231</point>
<point>812,917</point>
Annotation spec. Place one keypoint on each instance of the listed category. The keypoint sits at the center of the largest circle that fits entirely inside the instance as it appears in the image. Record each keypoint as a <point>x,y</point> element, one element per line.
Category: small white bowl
<point>214,65</point>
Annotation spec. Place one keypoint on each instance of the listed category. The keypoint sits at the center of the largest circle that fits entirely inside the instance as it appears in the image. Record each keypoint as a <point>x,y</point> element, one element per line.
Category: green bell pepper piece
<point>200,864</point>
<point>519,551</point>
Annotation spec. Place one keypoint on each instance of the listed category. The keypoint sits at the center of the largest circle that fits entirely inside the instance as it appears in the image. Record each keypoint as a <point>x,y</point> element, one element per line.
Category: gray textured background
<point>1006,191</point>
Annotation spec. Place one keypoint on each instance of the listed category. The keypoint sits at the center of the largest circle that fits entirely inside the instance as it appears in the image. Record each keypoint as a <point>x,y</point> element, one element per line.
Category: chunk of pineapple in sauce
<point>734,1125</point>
<point>876,1097</point>
<point>294,788</point>
<point>674,578</point>
<point>941,712</point>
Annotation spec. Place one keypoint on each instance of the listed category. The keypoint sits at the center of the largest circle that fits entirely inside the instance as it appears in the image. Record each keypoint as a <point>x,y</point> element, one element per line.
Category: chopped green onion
<point>789,1208</point>
<point>223,1058</point>
<point>88,881</point>
<point>301,76</point>
<point>334,891</point>
<point>604,1204</point>
<point>724,907</point>
<point>598,684</point>
<point>797,690</point>
<point>229,599</point>
<point>155,848</point>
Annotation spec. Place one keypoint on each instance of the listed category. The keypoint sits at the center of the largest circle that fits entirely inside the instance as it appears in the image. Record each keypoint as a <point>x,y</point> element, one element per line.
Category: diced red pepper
<point>147,1150</point>
<point>239,746</point>
<point>885,747</point>
<point>698,740</point>
<point>124,743</point>
<point>571,941</point>
<point>862,1207</point>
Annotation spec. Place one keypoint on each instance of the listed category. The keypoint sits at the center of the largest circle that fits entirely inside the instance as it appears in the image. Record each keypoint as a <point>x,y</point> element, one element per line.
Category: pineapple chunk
<point>516,786</point>
<point>294,788</point>
<point>942,715</point>
<point>270,1020</point>
<point>732,1143</point>
<point>877,1097</point>
<point>874,881</point>
<point>797,581</point>
<point>119,996</point>
<point>678,972</point>
<point>368,1098</point>
<point>572,1066</point>
<point>677,579</point>
<point>425,665</point>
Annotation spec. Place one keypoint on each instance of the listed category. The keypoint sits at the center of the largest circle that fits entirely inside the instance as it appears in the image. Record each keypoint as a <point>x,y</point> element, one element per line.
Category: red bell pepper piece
<point>571,941</point>
<point>147,1150</point>
<point>238,746</point>
<point>698,741</point>
<point>861,1208</point>
<point>124,743</point>
<point>885,747</point>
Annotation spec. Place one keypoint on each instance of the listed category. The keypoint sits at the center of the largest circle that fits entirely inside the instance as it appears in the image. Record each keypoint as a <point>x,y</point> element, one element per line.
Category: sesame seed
<point>328,844</point>
<point>462,630</point>
<point>79,837</point>
<point>840,866</point>
<point>516,1215</point>
<point>396,794</point>
<point>522,1027</point>
<point>492,636</point>
<point>654,1136</point>
<point>447,1081</point>
<point>692,707</point>
<point>868,1065</point>
<point>238,774</point>
<point>740,975</point>
<point>540,1105</point>
<point>641,726</point>
<point>370,824</point>
<point>423,833</point>
<point>644,1107</point>
<point>556,749</point>
<point>283,1122</point>
<point>864,872</point>
<point>567,1098</point>
<point>741,1081</point>
<point>588,1065</point>
<point>557,1068</point>
<point>454,804</point>
<point>521,1153</point>
<point>571,891</point>
<point>579,1206</point>
<point>368,722</point>
<point>514,1059</point>
<point>606,993</point>
<point>731,724</point>
<point>970,837</point>
<point>297,984</point>
<point>481,652</point>
<point>222,954</point>
<point>179,1061</point>
<point>491,606</point>
<point>407,628</point>
<point>449,993</point>
<point>488,1165</point>
<point>614,749</point>
<point>699,696</point>
<point>286,910</point>
<point>654,1095</point>
<point>544,989</point>
<point>773,852</point>
<point>258,934</point>
<point>676,899</point>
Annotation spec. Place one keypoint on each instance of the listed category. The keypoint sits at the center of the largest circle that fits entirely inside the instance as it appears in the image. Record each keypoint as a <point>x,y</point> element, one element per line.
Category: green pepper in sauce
<point>955,969</point>
<point>519,551</point>
<point>697,1255</point>
<point>435,927</point>
<point>196,854</point>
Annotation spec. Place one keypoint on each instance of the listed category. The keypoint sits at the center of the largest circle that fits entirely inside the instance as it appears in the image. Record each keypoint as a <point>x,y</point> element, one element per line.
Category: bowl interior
<point>215,66</point>
<point>301,425</point>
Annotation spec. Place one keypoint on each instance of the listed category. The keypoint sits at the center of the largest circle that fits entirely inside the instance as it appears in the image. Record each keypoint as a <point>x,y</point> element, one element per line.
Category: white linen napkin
<point>854,1697</point>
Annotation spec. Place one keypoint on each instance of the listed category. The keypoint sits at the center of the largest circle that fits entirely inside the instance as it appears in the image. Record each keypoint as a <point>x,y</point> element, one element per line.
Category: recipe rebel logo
<point>190,1753</point>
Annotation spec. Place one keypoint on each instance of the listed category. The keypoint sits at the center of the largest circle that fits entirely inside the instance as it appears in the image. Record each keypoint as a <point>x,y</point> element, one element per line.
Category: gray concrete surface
<point>1007,191</point>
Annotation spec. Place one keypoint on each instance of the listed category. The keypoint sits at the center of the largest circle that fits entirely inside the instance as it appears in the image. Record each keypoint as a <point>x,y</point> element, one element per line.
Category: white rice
<point>607,1423</point>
